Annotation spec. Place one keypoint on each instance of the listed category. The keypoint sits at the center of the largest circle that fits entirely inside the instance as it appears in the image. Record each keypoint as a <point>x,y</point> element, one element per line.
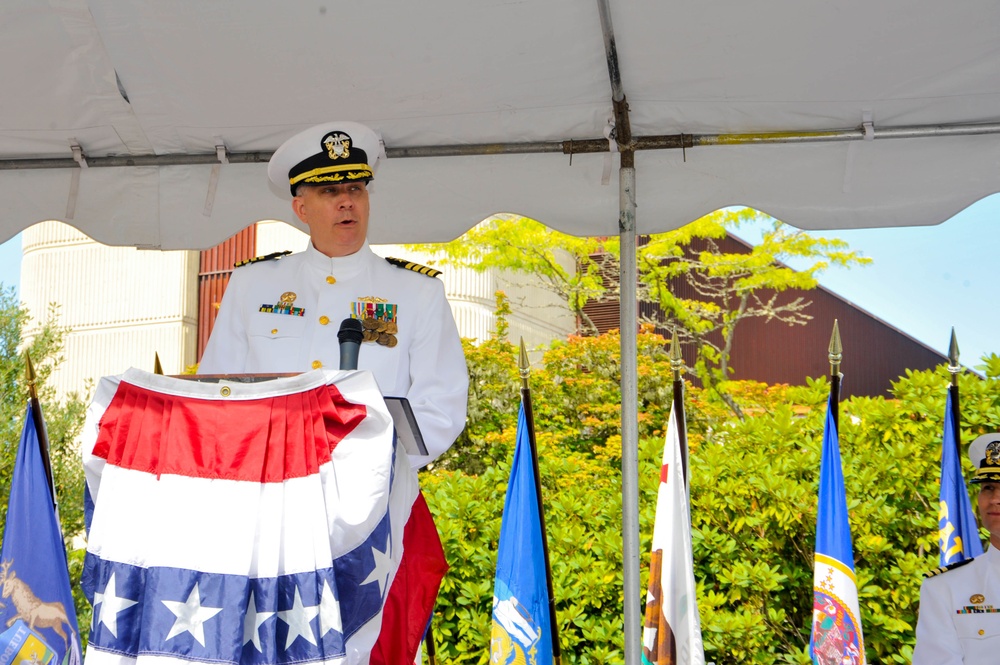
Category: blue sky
<point>10,262</point>
<point>923,280</point>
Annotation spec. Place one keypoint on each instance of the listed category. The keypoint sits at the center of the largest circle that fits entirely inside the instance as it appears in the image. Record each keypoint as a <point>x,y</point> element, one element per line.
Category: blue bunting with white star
<point>302,617</point>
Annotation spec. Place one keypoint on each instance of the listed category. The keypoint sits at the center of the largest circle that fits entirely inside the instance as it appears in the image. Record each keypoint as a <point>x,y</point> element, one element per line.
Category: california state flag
<point>672,630</point>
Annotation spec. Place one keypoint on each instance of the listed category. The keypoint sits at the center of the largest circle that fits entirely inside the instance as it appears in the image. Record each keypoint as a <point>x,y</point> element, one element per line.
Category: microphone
<point>350,336</point>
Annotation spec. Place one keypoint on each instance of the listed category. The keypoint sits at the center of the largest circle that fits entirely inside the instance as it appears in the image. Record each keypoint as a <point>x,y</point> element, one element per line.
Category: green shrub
<point>753,489</point>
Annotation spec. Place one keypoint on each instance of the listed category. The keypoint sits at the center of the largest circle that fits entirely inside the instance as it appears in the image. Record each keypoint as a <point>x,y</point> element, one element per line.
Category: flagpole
<point>36,416</point>
<point>835,353</point>
<point>958,535</point>
<point>524,369</point>
<point>676,364</point>
<point>836,616</point>
<point>429,641</point>
<point>956,412</point>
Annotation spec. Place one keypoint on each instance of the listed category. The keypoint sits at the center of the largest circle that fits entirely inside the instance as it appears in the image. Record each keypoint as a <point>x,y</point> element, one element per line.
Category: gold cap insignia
<point>993,453</point>
<point>338,145</point>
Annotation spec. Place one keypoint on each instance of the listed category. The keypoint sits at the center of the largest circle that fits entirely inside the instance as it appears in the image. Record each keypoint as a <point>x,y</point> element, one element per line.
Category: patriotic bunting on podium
<point>255,523</point>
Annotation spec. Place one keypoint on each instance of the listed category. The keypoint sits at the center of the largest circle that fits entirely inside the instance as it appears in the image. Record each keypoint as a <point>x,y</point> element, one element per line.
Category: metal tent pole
<point>630,419</point>
<point>629,372</point>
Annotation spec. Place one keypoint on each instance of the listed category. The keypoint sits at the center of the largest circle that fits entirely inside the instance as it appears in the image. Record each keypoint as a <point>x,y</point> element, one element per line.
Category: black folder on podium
<point>407,430</point>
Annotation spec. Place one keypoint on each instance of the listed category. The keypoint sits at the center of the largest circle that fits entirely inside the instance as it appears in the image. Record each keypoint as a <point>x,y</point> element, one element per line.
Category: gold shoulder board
<point>266,257</point>
<point>415,267</point>
<point>944,569</point>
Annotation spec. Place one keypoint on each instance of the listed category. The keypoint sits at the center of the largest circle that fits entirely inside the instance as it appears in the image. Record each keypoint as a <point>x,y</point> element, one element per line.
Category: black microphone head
<point>350,331</point>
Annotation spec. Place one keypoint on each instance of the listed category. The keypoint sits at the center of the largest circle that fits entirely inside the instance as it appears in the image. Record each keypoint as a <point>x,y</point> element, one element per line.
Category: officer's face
<point>337,216</point>
<point>989,508</point>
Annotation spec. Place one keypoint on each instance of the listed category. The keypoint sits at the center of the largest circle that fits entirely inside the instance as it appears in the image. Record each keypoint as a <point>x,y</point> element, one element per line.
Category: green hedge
<point>753,488</point>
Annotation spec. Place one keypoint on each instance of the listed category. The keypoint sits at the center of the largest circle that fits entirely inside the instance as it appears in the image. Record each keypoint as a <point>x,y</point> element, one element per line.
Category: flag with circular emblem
<point>836,637</point>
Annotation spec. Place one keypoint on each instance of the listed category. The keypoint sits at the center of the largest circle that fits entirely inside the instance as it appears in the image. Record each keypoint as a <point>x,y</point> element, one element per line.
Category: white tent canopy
<point>824,114</point>
<point>164,83</point>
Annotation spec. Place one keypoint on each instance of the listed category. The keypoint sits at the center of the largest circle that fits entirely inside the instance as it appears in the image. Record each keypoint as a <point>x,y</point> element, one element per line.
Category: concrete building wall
<point>123,306</point>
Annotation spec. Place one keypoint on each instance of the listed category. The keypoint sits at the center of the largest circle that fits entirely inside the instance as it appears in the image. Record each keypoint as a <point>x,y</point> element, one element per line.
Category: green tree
<point>728,287</point>
<point>63,419</point>
<point>571,267</point>
<point>731,287</point>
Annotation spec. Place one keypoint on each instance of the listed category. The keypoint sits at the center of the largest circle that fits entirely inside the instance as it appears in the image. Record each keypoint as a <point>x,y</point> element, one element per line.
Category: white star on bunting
<point>191,616</point>
<point>252,622</point>
<point>329,612</point>
<point>298,619</point>
<point>383,563</point>
<point>111,604</point>
<point>95,616</point>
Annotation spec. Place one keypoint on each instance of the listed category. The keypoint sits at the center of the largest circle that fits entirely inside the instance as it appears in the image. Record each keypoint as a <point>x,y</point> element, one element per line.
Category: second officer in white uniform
<point>959,619</point>
<point>283,314</point>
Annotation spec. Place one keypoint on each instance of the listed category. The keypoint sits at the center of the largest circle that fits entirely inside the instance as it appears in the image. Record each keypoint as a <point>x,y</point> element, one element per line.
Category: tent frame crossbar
<point>566,147</point>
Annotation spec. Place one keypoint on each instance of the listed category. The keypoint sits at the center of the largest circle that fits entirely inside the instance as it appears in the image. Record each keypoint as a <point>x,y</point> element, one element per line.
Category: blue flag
<point>33,572</point>
<point>958,534</point>
<point>836,625</point>
<point>521,628</point>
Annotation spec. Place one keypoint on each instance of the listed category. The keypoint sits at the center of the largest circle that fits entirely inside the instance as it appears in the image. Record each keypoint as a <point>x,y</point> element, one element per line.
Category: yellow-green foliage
<point>753,487</point>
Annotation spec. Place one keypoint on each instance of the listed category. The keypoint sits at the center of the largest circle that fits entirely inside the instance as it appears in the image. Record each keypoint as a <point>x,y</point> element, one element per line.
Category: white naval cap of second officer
<point>984,452</point>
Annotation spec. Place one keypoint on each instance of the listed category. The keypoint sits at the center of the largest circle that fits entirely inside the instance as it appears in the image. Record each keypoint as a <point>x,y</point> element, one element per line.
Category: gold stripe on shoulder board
<point>266,257</point>
<point>415,267</point>
<point>944,569</point>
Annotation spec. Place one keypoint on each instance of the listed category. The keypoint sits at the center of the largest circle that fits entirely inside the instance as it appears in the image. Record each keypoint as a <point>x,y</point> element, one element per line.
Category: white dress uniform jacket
<point>427,364</point>
<point>959,620</point>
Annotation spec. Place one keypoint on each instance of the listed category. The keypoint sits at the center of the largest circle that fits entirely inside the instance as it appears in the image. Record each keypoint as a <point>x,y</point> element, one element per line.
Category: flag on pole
<point>958,534</point>
<point>836,626</point>
<point>521,627</point>
<point>38,601</point>
<point>253,523</point>
<point>672,631</point>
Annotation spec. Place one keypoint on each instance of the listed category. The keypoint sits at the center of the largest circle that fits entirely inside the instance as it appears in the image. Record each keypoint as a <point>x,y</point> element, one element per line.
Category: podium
<point>403,420</point>
<point>258,519</point>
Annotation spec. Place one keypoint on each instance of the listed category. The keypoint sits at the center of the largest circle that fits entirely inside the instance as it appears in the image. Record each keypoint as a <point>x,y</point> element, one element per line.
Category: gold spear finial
<point>836,351</point>
<point>676,360</point>
<point>29,374</point>
<point>953,365</point>
<point>523,365</point>
<point>157,367</point>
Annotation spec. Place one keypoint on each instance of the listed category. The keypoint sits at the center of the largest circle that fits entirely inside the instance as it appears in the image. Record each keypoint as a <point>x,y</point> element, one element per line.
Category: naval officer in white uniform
<point>959,620</point>
<point>282,314</point>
